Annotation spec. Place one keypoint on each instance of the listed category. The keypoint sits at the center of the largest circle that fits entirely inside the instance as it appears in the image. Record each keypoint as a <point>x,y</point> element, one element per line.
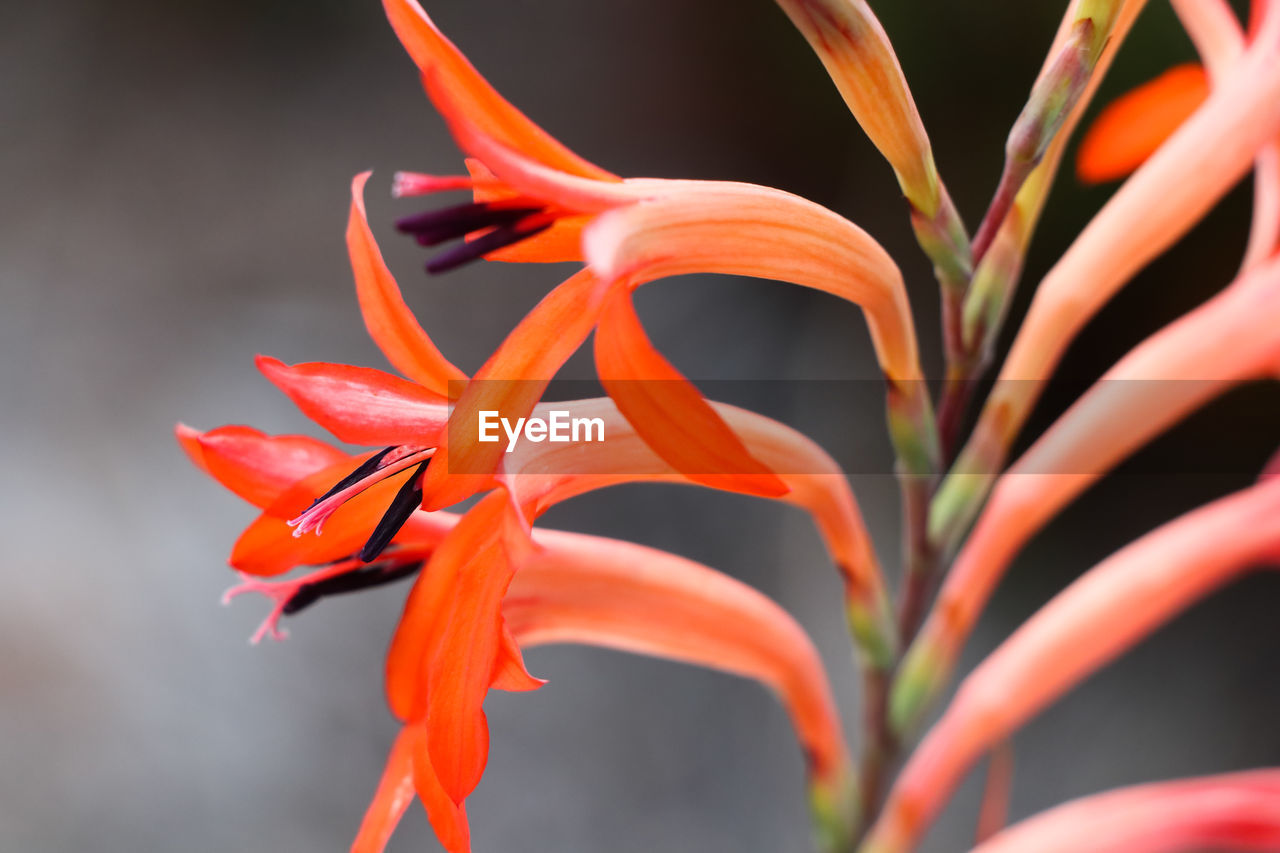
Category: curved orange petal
<point>361,405</point>
<point>668,411</point>
<point>613,594</point>
<point>462,653</point>
<point>1133,126</point>
<point>448,819</point>
<point>741,229</point>
<point>392,798</point>
<point>511,382</point>
<point>457,88</point>
<point>390,322</point>
<point>255,466</point>
<point>407,657</point>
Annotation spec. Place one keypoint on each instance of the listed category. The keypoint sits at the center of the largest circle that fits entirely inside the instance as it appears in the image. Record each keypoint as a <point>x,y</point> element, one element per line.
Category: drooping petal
<point>740,229</point>
<point>428,602</point>
<point>1096,619</point>
<point>461,660</point>
<point>1236,811</point>
<point>603,592</point>
<point>390,322</point>
<point>457,88</point>
<point>360,405</point>
<point>392,798</point>
<point>448,819</point>
<point>510,383</point>
<point>255,466</point>
<point>1134,125</point>
<point>667,410</point>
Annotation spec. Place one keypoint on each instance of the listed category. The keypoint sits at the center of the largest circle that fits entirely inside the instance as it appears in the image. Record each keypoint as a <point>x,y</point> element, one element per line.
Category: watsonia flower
<point>535,200</point>
<point>573,588</point>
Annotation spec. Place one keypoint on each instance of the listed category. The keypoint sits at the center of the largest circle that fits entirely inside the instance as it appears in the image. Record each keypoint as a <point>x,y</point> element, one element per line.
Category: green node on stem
<point>874,632</point>
<point>955,505</point>
<point>833,809</point>
<point>918,681</point>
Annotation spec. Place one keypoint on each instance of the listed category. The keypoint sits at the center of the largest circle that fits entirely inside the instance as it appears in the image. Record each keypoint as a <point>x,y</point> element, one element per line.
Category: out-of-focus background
<point>176,180</point>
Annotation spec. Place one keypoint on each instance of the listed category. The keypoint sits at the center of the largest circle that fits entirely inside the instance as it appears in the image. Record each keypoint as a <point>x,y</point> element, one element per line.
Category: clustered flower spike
<point>489,583</point>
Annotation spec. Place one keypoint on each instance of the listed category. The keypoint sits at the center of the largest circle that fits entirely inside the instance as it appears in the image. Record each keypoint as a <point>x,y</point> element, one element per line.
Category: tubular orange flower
<point>533,197</point>
<point>1231,339</point>
<point>1234,811</point>
<point>1097,618</point>
<point>572,588</point>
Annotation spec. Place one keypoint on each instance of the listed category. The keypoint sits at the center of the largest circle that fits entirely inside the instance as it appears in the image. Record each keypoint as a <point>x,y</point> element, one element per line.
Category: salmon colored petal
<point>740,229</point>
<point>1236,811</point>
<point>361,405</point>
<point>390,322</point>
<point>1134,125</point>
<point>542,475</point>
<point>603,592</point>
<point>268,546</point>
<point>392,798</point>
<point>407,658</point>
<point>457,88</point>
<point>257,467</point>
<point>527,176</point>
<point>448,819</point>
<point>511,382</point>
<point>668,411</point>
<point>462,653</point>
<point>1099,617</point>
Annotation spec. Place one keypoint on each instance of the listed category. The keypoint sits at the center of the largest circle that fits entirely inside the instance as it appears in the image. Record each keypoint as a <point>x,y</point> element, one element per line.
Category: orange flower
<point>536,201</point>
<point>571,588</point>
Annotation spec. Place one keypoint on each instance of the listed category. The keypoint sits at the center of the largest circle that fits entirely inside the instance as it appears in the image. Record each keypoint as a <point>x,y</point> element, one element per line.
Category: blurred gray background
<point>176,181</point>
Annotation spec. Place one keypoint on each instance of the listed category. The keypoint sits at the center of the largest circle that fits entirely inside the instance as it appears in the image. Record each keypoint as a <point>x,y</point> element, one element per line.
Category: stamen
<point>365,577</point>
<point>377,468</point>
<point>490,242</point>
<point>406,502</point>
<point>439,226</point>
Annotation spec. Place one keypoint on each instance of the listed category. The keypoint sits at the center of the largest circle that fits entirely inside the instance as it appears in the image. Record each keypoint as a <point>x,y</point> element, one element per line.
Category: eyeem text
<point>558,426</point>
